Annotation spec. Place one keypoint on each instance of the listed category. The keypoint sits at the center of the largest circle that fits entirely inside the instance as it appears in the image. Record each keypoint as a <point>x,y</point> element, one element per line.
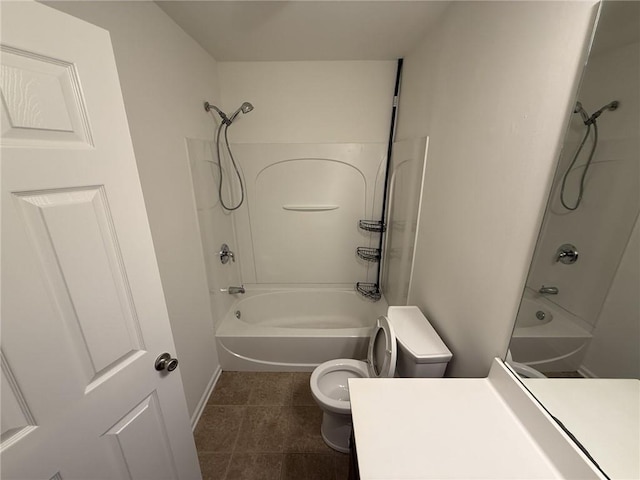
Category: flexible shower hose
<point>235,167</point>
<point>586,166</point>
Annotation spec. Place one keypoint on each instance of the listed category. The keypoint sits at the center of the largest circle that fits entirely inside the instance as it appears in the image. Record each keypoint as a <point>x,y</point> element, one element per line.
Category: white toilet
<point>421,353</point>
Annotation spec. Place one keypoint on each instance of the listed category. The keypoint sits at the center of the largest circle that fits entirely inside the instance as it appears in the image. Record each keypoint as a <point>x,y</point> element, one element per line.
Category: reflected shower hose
<point>586,166</point>
<point>225,125</point>
<point>588,121</point>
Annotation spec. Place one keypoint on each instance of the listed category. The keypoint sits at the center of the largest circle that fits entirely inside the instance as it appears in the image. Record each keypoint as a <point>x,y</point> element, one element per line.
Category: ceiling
<point>305,30</point>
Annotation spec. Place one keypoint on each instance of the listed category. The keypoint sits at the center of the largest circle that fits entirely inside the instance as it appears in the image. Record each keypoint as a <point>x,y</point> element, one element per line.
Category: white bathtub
<point>295,330</point>
<point>555,344</point>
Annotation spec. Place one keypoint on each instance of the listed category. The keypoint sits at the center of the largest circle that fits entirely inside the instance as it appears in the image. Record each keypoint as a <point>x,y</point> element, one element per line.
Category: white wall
<point>310,102</point>
<point>165,77</point>
<point>614,351</point>
<point>491,87</point>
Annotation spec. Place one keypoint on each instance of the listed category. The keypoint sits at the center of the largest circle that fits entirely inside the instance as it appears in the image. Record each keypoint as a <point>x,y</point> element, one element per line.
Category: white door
<point>83,312</point>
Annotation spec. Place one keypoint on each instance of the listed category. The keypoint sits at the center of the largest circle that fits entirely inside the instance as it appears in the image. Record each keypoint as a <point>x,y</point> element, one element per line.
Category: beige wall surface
<point>310,102</point>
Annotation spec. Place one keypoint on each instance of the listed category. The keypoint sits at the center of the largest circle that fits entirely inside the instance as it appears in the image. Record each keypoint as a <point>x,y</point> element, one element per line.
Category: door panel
<point>144,426</point>
<point>43,101</point>
<point>83,312</point>
<point>72,232</point>
<point>17,419</point>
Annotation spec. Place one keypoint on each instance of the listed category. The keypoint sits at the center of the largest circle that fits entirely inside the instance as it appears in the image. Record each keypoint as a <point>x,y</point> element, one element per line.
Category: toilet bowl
<point>332,380</point>
<point>402,343</point>
<point>331,392</point>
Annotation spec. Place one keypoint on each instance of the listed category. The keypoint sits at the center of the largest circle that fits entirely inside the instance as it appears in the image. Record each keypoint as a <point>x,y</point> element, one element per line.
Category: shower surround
<point>294,240</point>
<point>300,225</point>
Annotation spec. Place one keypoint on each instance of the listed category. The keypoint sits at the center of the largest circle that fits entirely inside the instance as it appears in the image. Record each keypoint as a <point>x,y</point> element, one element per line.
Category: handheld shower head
<point>611,106</point>
<point>246,107</point>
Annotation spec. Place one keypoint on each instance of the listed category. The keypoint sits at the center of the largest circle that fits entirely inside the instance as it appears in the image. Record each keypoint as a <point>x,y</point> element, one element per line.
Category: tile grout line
<point>287,428</point>
<point>289,408</point>
<point>284,442</point>
<point>233,449</point>
<point>235,442</point>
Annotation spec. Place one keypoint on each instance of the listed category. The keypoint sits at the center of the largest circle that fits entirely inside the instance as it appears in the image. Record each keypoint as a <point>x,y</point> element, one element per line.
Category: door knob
<point>165,362</point>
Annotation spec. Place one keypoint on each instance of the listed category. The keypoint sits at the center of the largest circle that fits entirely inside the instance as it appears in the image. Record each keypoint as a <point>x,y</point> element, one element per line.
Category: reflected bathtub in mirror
<point>555,343</point>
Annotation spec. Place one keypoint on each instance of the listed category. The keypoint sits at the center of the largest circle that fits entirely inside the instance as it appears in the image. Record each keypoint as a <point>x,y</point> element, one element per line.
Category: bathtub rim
<point>230,326</point>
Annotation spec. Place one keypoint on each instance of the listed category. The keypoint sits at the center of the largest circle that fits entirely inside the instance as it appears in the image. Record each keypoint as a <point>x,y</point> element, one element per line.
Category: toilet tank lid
<point>417,336</point>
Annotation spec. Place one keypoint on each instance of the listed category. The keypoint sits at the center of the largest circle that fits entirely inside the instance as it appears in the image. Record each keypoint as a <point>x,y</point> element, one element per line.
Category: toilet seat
<point>383,350</point>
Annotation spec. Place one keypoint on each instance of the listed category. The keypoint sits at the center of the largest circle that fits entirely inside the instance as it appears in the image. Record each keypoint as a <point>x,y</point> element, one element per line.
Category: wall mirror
<point>580,314</point>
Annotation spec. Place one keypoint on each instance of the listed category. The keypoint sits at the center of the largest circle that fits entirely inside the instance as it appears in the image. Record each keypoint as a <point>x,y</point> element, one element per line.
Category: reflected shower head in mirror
<point>246,107</point>
<point>611,106</point>
<point>588,121</point>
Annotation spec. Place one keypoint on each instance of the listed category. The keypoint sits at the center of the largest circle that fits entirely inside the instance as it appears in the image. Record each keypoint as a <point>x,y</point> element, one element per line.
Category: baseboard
<point>195,418</point>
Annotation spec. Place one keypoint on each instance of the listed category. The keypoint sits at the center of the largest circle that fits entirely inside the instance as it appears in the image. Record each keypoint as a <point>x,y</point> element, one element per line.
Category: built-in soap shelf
<point>369,290</point>
<point>368,253</point>
<point>310,208</point>
<point>372,225</point>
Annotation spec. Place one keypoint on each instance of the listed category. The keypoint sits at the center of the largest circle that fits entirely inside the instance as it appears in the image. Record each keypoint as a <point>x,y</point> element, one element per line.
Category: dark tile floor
<point>263,426</point>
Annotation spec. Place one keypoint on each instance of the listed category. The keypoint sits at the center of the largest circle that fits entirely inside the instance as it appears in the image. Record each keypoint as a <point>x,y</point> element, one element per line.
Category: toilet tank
<point>421,351</point>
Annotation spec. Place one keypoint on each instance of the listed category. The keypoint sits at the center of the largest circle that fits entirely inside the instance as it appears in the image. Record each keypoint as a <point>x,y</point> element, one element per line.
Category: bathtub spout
<point>548,290</point>
<point>235,290</point>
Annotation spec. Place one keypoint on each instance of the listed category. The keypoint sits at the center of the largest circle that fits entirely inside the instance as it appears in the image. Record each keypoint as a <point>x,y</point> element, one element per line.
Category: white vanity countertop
<point>408,428</point>
<point>603,414</point>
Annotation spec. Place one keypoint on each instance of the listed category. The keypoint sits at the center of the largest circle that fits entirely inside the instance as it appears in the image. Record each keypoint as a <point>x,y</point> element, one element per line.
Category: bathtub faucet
<point>548,290</point>
<point>234,290</point>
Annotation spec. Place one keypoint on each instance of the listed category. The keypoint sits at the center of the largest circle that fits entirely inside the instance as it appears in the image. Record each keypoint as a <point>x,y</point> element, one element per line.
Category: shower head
<point>246,107</point>
<point>611,106</point>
